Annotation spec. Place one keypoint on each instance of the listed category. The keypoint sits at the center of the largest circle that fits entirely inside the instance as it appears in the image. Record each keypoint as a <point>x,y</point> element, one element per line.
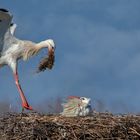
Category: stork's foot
<point>26,106</point>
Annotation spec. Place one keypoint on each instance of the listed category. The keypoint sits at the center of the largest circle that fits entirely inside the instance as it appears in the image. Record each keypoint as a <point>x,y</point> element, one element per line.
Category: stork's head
<point>48,61</point>
<point>50,44</point>
<point>85,101</point>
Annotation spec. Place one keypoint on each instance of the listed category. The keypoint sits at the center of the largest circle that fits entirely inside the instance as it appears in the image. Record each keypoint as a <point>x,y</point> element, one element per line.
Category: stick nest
<point>36,126</point>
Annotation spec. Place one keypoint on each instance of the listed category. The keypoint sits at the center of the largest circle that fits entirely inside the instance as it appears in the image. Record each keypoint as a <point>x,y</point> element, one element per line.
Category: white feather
<point>76,107</point>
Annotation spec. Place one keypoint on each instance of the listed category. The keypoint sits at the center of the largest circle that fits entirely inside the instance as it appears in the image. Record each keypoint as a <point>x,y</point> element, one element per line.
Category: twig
<point>134,131</point>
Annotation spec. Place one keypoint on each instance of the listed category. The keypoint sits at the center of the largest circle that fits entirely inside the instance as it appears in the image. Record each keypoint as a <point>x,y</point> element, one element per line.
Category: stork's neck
<point>33,48</point>
<point>42,44</point>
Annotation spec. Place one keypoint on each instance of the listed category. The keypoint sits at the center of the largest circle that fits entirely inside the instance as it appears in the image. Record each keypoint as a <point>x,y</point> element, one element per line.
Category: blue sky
<point>97,55</point>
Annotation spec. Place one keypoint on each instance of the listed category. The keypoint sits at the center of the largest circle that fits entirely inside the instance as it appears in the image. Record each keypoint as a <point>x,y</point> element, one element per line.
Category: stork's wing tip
<point>4,10</point>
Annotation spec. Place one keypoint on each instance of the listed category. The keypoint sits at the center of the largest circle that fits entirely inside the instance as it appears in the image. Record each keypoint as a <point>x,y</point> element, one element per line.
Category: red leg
<point>23,98</point>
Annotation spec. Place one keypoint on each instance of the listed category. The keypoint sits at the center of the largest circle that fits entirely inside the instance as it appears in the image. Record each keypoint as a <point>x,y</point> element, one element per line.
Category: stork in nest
<point>76,106</point>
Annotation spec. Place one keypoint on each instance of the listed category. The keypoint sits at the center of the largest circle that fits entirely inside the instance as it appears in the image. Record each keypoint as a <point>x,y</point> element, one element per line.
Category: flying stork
<point>12,49</point>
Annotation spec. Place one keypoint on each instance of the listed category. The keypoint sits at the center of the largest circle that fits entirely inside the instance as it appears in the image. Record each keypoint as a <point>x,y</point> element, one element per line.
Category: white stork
<point>12,49</point>
<point>76,106</point>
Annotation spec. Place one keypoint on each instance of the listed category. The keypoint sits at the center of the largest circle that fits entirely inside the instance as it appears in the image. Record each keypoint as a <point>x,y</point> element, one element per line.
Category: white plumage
<point>76,106</point>
<point>12,49</point>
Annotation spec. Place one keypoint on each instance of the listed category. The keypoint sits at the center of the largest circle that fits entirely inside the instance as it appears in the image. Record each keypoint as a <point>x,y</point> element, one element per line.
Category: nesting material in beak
<point>47,62</point>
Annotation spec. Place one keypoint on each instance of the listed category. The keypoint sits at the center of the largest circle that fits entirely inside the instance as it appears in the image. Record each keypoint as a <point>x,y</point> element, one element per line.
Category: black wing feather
<point>5,21</point>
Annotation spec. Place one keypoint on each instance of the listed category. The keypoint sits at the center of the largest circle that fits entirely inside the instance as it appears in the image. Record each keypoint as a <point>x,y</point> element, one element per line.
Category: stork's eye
<point>82,98</point>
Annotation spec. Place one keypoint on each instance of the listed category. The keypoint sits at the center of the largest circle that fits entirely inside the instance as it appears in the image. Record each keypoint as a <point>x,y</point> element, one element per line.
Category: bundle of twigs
<point>103,126</point>
<point>47,62</point>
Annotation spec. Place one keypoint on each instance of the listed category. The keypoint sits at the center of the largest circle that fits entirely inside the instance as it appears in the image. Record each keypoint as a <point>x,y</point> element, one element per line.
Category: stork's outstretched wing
<point>5,21</point>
